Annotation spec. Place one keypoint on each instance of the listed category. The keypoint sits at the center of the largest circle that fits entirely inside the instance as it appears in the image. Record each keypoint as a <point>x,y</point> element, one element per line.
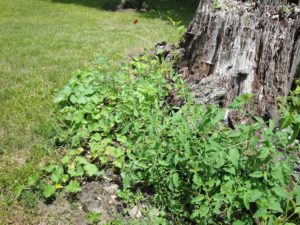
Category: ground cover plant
<point>142,122</point>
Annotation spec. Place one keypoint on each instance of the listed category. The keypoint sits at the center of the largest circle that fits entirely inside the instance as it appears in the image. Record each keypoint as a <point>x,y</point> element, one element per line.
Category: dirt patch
<point>96,196</point>
<point>60,212</point>
<point>101,197</point>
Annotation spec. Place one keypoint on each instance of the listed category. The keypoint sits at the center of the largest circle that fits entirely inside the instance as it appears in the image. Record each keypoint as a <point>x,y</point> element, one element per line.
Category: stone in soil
<point>101,197</point>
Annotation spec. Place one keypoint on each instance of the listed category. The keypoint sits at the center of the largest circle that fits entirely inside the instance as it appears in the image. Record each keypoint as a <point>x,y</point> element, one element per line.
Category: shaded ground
<point>176,9</point>
<point>41,43</point>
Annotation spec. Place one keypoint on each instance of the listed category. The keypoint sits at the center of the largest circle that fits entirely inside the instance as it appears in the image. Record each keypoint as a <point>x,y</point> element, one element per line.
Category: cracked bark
<point>242,47</point>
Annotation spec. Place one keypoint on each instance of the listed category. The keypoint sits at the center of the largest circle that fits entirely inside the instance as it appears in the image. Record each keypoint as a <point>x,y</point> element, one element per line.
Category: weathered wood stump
<point>236,46</point>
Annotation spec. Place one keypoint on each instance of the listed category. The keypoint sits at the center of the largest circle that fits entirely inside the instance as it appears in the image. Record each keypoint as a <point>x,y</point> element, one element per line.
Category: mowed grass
<point>42,42</point>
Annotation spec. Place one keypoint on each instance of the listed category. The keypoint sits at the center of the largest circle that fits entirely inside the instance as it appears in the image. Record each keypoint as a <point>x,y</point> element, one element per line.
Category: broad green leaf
<point>259,119</point>
<point>32,180</point>
<point>91,169</point>
<point>81,99</point>
<point>240,101</point>
<point>57,174</point>
<point>73,187</point>
<point>217,205</point>
<point>214,145</point>
<point>55,177</point>
<point>239,222</point>
<point>296,131</point>
<point>264,153</point>
<point>176,179</point>
<point>65,160</point>
<point>79,151</point>
<point>230,170</point>
<point>297,210</point>
<point>297,192</point>
<point>220,160</point>
<point>176,159</point>
<point>118,163</point>
<point>126,181</point>
<point>204,210</point>
<point>103,159</point>
<point>97,99</point>
<point>121,139</point>
<point>65,178</point>
<point>257,174</point>
<point>76,172</point>
<point>260,213</point>
<point>253,142</point>
<point>18,190</point>
<point>255,195</point>
<point>49,191</point>
<point>246,200</point>
<point>198,199</point>
<point>275,205</point>
<point>81,160</point>
<point>96,138</point>
<point>286,121</point>
<point>218,117</point>
<point>50,168</point>
<point>280,192</point>
<point>163,163</point>
<point>281,172</point>
<point>234,157</point>
<point>197,181</point>
<point>63,95</point>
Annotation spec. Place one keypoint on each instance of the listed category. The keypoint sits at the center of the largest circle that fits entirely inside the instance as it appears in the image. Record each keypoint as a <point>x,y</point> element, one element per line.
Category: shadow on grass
<point>178,10</point>
<point>99,4</point>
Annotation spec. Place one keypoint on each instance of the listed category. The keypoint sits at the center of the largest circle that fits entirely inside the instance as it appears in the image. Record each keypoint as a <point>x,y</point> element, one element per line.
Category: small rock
<point>139,214</point>
<point>100,197</point>
<point>112,189</point>
<point>135,212</point>
<point>275,17</point>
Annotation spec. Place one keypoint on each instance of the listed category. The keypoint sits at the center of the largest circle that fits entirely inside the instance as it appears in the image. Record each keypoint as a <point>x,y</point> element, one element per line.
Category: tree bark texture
<point>237,47</point>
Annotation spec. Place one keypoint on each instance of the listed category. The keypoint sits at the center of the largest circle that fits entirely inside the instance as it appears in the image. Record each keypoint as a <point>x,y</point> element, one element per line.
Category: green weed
<point>142,121</point>
<point>93,217</point>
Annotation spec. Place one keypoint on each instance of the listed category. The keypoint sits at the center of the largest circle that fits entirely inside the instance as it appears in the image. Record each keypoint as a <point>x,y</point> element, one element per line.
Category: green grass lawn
<point>41,43</point>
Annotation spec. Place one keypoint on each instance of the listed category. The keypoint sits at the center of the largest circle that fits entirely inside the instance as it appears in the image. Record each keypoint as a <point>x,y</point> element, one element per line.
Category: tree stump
<point>237,46</point>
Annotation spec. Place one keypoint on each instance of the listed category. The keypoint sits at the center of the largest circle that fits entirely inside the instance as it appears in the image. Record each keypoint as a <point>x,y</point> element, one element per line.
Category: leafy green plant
<point>290,113</point>
<point>226,175</point>
<point>216,4</point>
<point>286,9</point>
<point>142,121</point>
<point>29,199</point>
<point>93,217</point>
<point>178,24</point>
